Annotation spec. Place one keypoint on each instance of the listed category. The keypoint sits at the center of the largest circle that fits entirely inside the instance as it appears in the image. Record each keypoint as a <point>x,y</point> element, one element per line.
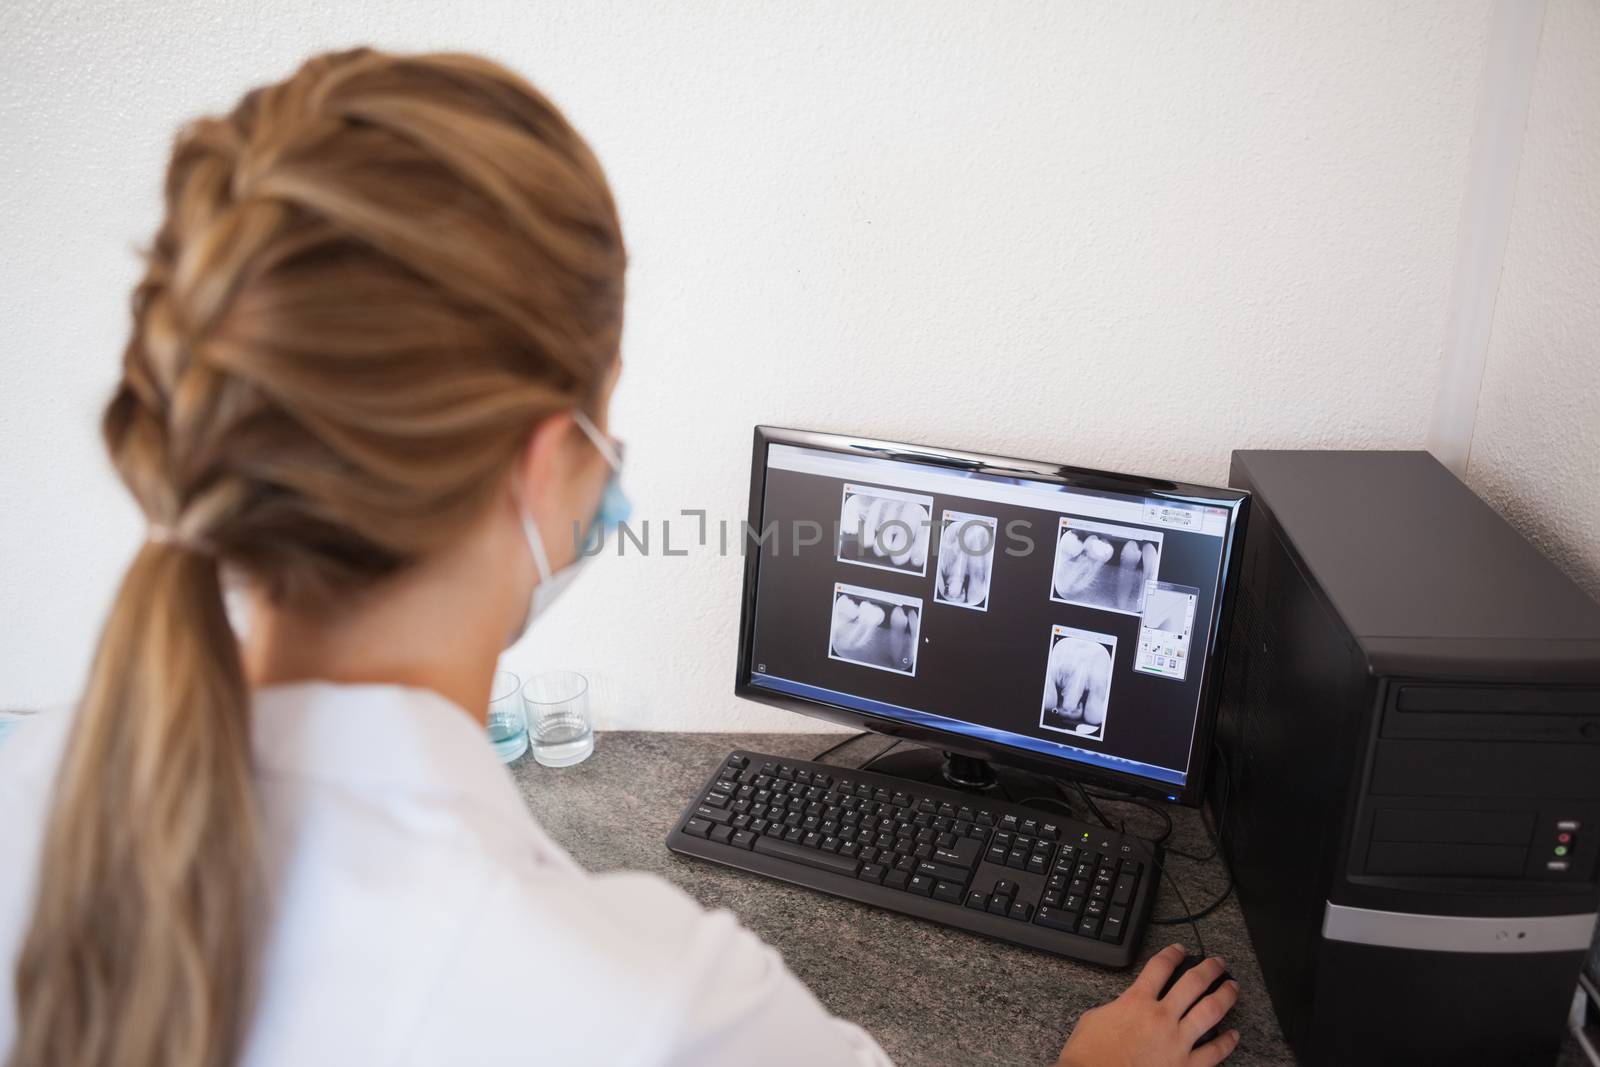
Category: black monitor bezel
<point>1237,501</point>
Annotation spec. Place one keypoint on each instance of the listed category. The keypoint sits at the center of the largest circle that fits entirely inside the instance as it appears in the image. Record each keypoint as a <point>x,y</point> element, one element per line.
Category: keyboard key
<point>1050,831</point>
<point>896,879</point>
<point>1089,926</point>
<point>826,861</point>
<point>812,840</point>
<point>1123,893</point>
<point>996,854</point>
<point>1031,827</point>
<point>1056,920</point>
<point>713,814</point>
<point>697,827</point>
<point>943,871</point>
<point>977,901</point>
<point>947,891</point>
<point>920,884</point>
<point>1006,888</point>
<point>742,839</point>
<point>1111,929</point>
<point>872,872</point>
<point>999,905</point>
<point>1036,864</point>
<point>1021,911</point>
<point>963,853</point>
<point>1072,902</point>
<point>1018,859</point>
<point>720,834</point>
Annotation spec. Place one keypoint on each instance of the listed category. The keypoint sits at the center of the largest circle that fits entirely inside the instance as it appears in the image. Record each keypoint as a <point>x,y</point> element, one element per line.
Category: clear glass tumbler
<point>508,725</point>
<point>559,727</point>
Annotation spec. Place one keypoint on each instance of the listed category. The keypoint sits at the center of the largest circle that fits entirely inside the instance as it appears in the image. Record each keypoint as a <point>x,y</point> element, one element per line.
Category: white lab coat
<point>419,914</point>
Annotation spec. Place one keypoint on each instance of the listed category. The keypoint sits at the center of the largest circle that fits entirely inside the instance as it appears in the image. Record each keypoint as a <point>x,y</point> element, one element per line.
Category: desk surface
<point>930,995</point>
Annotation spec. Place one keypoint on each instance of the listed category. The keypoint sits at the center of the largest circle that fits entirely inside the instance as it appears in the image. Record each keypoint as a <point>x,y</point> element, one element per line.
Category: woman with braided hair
<point>367,378</point>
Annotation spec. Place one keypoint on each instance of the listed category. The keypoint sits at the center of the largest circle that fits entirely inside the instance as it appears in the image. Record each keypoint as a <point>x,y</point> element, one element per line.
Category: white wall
<point>1536,443</point>
<point>1132,238</point>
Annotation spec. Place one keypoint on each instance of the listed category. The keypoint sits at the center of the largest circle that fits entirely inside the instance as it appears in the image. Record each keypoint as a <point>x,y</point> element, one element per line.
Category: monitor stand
<point>951,770</point>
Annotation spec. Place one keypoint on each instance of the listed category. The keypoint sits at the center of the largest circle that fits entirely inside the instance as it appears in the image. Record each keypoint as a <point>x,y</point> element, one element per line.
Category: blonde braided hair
<point>372,280</point>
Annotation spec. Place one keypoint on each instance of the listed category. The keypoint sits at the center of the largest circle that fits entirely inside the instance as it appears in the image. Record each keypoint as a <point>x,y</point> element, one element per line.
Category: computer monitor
<point>1056,619</point>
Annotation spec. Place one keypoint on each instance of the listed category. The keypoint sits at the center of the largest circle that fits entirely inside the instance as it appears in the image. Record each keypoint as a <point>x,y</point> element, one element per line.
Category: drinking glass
<point>508,726</point>
<point>559,727</point>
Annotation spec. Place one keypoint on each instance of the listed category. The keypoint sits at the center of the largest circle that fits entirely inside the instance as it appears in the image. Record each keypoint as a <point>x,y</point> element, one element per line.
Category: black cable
<point>1178,920</point>
<point>831,749</point>
<point>1192,918</point>
<point>1154,809</point>
<point>890,748</point>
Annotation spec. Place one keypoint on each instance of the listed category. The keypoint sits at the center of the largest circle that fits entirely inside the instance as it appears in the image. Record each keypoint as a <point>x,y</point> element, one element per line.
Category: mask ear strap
<point>598,439</point>
<point>541,561</point>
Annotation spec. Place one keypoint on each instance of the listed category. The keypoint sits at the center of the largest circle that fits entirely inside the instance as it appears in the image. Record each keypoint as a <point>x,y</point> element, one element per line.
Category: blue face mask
<point>612,511</point>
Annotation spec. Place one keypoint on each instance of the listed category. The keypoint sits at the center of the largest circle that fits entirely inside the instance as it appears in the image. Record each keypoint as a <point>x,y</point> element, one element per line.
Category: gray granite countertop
<point>930,995</point>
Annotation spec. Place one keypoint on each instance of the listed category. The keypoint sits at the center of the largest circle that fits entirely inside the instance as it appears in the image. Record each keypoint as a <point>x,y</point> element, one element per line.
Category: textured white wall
<point>1113,236</point>
<point>1536,445</point>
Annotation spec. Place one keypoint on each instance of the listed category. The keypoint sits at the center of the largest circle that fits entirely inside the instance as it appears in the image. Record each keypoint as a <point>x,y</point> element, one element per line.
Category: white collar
<point>383,737</point>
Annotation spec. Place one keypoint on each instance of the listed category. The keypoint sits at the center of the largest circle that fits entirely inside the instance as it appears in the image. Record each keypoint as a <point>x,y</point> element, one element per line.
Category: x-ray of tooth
<point>1077,682</point>
<point>966,560</point>
<point>885,528</point>
<point>875,629</point>
<point>1099,565</point>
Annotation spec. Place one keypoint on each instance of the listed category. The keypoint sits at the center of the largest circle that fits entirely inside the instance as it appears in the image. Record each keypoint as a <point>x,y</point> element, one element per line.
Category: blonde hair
<point>372,280</point>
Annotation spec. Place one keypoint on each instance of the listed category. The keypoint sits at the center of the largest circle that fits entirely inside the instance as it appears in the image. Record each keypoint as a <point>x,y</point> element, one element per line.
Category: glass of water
<point>559,728</point>
<point>508,726</point>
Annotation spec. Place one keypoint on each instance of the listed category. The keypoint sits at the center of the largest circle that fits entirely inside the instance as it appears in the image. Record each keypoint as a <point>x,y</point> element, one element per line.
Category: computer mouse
<point>1190,961</point>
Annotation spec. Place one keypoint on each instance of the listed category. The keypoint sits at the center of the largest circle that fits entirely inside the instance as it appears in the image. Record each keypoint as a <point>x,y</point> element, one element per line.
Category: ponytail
<point>140,942</point>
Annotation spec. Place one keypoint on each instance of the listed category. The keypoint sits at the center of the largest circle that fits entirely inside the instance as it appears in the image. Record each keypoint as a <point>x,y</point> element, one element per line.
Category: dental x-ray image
<point>875,629</point>
<point>966,559</point>
<point>885,528</point>
<point>1077,682</point>
<point>1104,566</point>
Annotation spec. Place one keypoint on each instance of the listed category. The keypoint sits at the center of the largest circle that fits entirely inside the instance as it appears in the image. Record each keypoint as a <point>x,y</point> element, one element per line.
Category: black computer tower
<point>1410,772</point>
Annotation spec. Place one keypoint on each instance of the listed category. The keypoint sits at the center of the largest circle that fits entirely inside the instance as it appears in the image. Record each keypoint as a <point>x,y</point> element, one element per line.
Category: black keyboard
<point>993,868</point>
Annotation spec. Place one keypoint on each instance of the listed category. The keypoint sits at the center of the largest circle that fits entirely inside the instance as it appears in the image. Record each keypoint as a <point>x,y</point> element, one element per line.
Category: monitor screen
<point>1065,618</point>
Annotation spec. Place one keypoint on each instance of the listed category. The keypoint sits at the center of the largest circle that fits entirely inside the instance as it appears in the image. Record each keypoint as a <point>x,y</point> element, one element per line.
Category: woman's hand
<point>1139,1030</point>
